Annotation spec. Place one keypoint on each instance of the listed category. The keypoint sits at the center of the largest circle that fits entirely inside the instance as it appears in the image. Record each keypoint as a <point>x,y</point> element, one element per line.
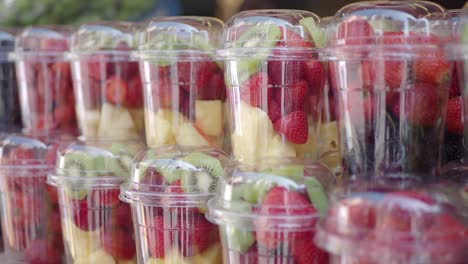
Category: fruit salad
<point>391,77</point>
<point>107,80</point>
<point>376,223</point>
<point>30,211</point>
<point>44,79</point>
<point>10,118</point>
<point>267,213</point>
<point>168,195</point>
<point>97,226</point>
<point>183,83</point>
<point>275,77</point>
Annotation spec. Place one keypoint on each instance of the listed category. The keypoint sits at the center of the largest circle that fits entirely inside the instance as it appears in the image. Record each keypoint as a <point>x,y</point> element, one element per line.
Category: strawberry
<point>39,252</point>
<point>454,116</point>
<point>105,197</point>
<point>119,244</point>
<point>159,237</point>
<point>355,31</point>
<point>455,85</point>
<point>195,75</point>
<point>122,217</point>
<point>305,251</point>
<point>421,104</point>
<point>64,113</point>
<point>433,68</point>
<point>280,201</point>
<point>352,214</point>
<point>313,72</point>
<point>83,216</point>
<point>274,111</point>
<point>294,127</point>
<point>255,91</point>
<point>134,96</point>
<point>292,98</point>
<point>116,90</point>
<point>215,88</point>
<point>52,194</point>
<point>195,234</point>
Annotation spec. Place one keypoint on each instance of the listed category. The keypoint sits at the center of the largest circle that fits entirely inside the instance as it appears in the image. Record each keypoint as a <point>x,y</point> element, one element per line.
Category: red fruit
<point>314,74</point>
<point>293,39</point>
<point>195,234</point>
<point>194,75</point>
<point>434,68</point>
<point>274,111</point>
<point>285,72</point>
<point>116,90</point>
<point>54,44</point>
<point>105,197</point>
<point>355,31</point>
<point>454,116</point>
<point>64,113</point>
<point>39,252</point>
<point>305,251</point>
<point>159,237</point>
<point>421,104</point>
<point>52,193</point>
<point>215,89</point>
<point>122,218</point>
<point>255,90</point>
<point>292,98</point>
<point>353,215</point>
<point>281,201</point>
<point>417,195</point>
<point>119,244</point>
<point>21,154</point>
<point>134,97</point>
<point>152,177</point>
<point>84,217</point>
<point>454,86</point>
<point>294,127</point>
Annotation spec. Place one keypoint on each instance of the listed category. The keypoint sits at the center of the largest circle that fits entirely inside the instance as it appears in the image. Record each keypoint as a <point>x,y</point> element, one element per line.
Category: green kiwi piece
<point>316,194</point>
<point>237,239</point>
<point>384,25</point>
<point>255,192</point>
<point>317,34</point>
<point>464,35</point>
<point>207,173</point>
<point>293,172</point>
<point>78,164</point>
<point>126,153</point>
<point>173,170</point>
<point>113,165</point>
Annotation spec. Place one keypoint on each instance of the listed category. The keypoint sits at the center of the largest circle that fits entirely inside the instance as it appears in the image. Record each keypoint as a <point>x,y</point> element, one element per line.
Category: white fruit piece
<point>173,257</point>
<point>138,116</point>
<point>252,133</point>
<point>89,122</point>
<point>188,135</point>
<point>211,255</point>
<point>81,243</point>
<point>280,148</point>
<point>131,261</point>
<point>328,137</point>
<point>209,116</point>
<point>159,128</point>
<point>98,256</point>
<point>116,123</point>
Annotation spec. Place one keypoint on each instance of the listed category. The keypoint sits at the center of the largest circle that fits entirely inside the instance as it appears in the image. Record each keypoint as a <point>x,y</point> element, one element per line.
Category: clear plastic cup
<point>168,193</point>
<point>267,213</point>
<point>391,77</point>
<point>275,77</point>
<point>44,79</point>
<point>97,226</point>
<point>108,85</point>
<point>184,87</point>
<point>10,118</point>
<point>30,214</point>
<point>388,223</point>
<point>462,69</point>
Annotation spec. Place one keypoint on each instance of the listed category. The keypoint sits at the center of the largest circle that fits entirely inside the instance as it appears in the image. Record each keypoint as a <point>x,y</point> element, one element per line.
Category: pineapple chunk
<point>280,148</point>
<point>89,122</point>
<point>159,128</point>
<point>209,117</point>
<point>138,116</point>
<point>188,135</point>
<point>211,255</point>
<point>98,256</point>
<point>116,123</point>
<point>131,261</point>
<point>81,243</point>
<point>172,257</point>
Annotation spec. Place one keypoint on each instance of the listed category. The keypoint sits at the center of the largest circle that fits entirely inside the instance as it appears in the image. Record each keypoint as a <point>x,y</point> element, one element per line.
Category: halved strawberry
<point>195,234</point>
<point>432,68</point>
<point>194,75</point>
<point>305,251</point>
<point>454,116</point>
<point>256,90</point>
<point>274,111</point>
<point>292,98</point>
<point>119,244</point>
<point>134,96</point>
<point>159,237</point>
<point>116,90</point>
<point>313,72</point>
<point>294,126</point>
<point>355,31</point>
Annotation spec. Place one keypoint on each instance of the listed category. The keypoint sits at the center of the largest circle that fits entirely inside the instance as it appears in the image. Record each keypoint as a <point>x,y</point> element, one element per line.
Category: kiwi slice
<point>316,194</point>
<point>293,172</point>
<point>255,192</point>
<point>464,35</point>
<point>113,165</point>
<point>126,153</point>
<point>237,239</point>
<point>174,169</point>
<point>78,164</point>
<point>317,34</point>
<point>207,173</point>
<point>384,25</point>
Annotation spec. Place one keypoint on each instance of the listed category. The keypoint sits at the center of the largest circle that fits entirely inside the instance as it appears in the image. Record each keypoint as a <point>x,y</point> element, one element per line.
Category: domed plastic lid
<point>192,36</point>
<point>254,31</point>
<point>21,154</point>
<point>387,23</point>
<point>390,224</point>
<point>40,39</point>
<point>288,193</point>
<point>173,174</point>
<point>7,39</point>
<point>106,36</point>
<point>431,7</point>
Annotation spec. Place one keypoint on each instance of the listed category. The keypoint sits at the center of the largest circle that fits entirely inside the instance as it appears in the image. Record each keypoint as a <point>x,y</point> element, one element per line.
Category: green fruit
<point>77,164</point>
<point>126,153</point>
<point>464,35</point>
<point>384,25</point>
<point>316,194</point>
<point>255,192</point>
<point>317,34</point>
<point>174,169</point>
<point>293,172</point>
<point>207,173</point>
<point>113,165</point>
<point>237,239</point>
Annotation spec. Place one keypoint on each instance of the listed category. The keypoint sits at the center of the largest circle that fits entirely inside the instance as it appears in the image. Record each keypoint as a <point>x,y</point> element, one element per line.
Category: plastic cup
<point>391,77</point>
<point>168,194</point>
<point>275,77</point>
<point>44,79</point>
<point>10,118</point>
<point>97,226</point>
<point>107,80</point>
<point>267,213</point>
<point>387,223</point>
<point>30,214</point>
<point>184,87</point>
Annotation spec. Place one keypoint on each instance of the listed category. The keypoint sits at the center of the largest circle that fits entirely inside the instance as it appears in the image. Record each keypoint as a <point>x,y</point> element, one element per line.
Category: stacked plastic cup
<point>97,226</point>
<point>391,75</point>
<point>275,77</point>
<point>108,85</point>
<point>168,193</point>
<point>382,223</point>
<point>10,118</point>
<point>44,78</point>
<point>184,87</point>
<point>30,213</point>
<point>267,213</point>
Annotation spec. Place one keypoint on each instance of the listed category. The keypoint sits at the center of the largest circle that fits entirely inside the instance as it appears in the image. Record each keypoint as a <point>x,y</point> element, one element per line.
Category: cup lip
<point>179,55</point>
<point>23,170</point>
<point>58,180</point>
<point>21,54</point>
<point>86,55</point>
<point>273,53</point>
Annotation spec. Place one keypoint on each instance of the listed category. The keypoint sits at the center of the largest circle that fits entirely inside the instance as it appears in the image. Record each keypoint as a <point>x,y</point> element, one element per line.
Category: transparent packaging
<point>275,77</point>
<point>390,75</point>
<point>108,84</point>
<point>392,223</point>
<point>30,214</point>
<point>10,118</point>
<point>97,226</point>
<point>184,87</point>
<point>168,193</point>
<point>44,78</point>
<point>267,213</point>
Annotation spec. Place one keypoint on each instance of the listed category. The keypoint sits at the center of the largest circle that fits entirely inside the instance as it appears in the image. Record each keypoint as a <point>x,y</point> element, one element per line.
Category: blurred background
<point>27,12</point>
